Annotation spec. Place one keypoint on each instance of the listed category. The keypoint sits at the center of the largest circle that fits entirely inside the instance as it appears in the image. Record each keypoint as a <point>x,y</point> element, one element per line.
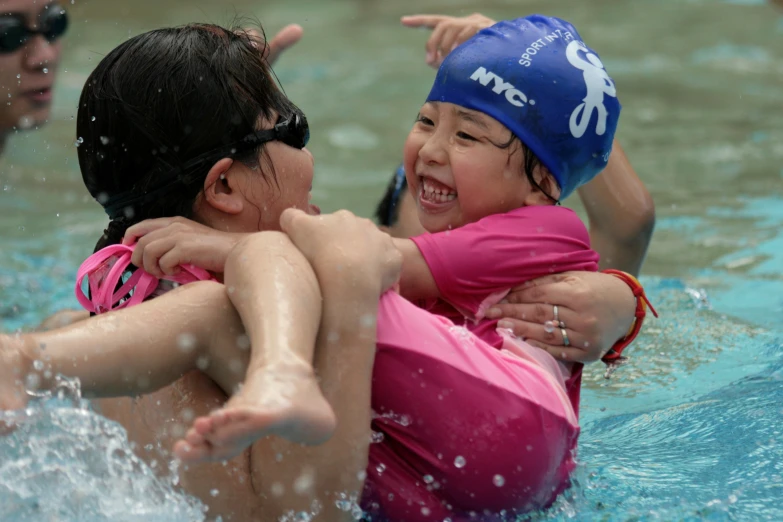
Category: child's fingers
<point>447,39</point>
<point>145,227</point>
<point>434,42</point>
<point>289,219</point>
<point>170,262</point>
<point>151,254</point>
<point>423,20</point>
<point>464,35</point>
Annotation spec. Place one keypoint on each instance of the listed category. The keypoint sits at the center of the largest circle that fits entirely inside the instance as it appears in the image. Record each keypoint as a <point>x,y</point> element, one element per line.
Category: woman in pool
<point>216,186</point>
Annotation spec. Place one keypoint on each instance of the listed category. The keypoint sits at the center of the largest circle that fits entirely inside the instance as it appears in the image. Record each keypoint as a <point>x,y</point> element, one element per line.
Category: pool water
<point>690,430</point>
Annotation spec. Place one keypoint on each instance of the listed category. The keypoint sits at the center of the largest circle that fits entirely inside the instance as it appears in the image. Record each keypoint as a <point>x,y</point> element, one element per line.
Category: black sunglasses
<point>14,33</point>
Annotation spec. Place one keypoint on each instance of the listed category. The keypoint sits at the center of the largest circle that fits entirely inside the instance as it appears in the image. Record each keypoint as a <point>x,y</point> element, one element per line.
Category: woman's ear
<point>220,188</point>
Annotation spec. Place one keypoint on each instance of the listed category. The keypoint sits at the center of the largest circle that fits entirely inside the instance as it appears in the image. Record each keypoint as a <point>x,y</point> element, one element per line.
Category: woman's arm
<point>621,214</point>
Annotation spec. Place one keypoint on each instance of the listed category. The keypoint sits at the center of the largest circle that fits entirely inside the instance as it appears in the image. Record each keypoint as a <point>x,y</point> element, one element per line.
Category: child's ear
<point>549,184</point>
<point>548,187</point>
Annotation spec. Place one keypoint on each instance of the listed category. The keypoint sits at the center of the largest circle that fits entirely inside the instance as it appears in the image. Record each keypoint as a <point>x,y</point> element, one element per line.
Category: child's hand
<point>342,239</point>
<point>447,32</point>
<point>166,243</point>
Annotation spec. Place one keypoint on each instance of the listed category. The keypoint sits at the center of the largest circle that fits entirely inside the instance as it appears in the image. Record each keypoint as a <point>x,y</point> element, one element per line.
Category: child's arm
<point>416,280</point>
<point>466,265</point>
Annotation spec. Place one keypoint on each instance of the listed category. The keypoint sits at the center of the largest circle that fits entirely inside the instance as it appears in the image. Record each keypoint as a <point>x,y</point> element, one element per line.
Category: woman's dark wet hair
<point>160,109</point>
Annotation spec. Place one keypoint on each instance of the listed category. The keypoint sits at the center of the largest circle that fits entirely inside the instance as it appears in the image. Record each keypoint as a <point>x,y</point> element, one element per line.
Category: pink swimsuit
<point>474,423</point>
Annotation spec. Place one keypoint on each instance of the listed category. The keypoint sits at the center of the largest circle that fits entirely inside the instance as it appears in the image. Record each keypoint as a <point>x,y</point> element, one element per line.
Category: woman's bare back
<point>158,419</point>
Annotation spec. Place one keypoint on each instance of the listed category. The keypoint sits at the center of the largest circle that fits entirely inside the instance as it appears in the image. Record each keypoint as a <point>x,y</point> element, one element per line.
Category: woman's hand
<point>166,243</point>
<point>597,309</point>
<point>353,244</point>
<point>447,32</point>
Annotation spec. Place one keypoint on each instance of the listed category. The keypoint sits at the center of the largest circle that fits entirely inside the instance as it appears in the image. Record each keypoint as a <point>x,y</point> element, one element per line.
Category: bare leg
<point>276,293</point>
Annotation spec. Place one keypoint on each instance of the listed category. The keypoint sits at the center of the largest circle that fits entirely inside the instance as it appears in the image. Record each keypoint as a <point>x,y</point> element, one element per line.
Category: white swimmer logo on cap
<point>598,83</point>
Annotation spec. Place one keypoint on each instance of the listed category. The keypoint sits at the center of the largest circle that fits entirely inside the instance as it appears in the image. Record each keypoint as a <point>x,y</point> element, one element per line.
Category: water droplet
<point>428,479</point>
<point>32,381</point>
<point>243,342</point>
<point>381,468</point>
<point>186,342</point>
<point>343,503</point>
<point>361,475</point>
<point>45,70</point>
<point>304,482</point>
<point>214,492</point>
<point>202,363</point>
<point>459,462</point>
<point>105,140</point>
<point>236,365</point>
<point>277,489</point>
<point>38,365</point>
<point>498,480</point>
<point>549,327</point>
<point>376,437</point>
<point>92,119</point>
<point>18,75</point>
<point>425,511</point>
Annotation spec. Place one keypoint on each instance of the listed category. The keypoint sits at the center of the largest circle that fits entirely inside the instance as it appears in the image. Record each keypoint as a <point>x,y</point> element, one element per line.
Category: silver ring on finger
<point>566,342</point>
<point>557,321</point>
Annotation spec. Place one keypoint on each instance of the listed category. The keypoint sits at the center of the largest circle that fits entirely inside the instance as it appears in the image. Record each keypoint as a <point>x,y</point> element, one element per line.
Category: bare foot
<point>14,367</point>
<point>287,403</point>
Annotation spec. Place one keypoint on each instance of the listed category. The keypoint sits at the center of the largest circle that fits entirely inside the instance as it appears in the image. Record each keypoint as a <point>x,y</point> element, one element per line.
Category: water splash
<point>66,463</point>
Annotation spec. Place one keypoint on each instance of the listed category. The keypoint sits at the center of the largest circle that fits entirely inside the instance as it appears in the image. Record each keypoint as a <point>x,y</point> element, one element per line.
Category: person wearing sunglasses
<point>30,45</point>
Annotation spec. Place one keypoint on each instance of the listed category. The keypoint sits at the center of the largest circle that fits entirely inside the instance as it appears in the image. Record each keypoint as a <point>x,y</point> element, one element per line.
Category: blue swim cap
<point>537,77</point>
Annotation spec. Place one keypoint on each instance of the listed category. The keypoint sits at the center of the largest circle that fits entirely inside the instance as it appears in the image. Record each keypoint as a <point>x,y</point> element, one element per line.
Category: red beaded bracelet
<point>614,356</point>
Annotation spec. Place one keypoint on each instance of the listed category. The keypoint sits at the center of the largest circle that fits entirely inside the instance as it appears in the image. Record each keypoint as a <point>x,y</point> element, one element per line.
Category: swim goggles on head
<point>14,33</point>
<point>110,289</point>
<point>293,131</point>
